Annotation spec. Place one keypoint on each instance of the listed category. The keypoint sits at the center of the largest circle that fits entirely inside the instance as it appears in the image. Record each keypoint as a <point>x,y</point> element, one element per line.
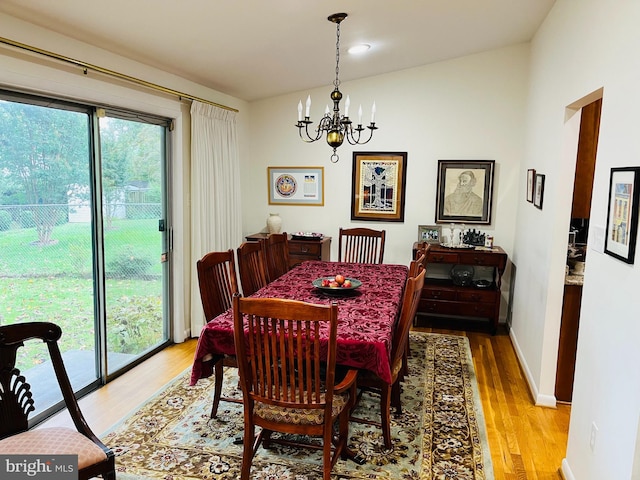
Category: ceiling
<point>254,49</point>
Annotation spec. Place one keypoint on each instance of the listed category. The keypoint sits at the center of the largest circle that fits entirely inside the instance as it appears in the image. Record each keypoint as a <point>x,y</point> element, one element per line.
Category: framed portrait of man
<point>464,191</point>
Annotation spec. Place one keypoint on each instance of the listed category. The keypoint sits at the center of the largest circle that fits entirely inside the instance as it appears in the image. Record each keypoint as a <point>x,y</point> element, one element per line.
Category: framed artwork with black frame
<point>464,191</point>
<point>538,190</point>
<point>531,178</point>
<point>378,187</point>
<point>622,214</point>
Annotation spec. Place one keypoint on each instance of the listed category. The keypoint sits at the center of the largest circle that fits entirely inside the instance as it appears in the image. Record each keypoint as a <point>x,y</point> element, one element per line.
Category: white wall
<point>467,108</point>
<point>584,45</point>
<point>34,74</point>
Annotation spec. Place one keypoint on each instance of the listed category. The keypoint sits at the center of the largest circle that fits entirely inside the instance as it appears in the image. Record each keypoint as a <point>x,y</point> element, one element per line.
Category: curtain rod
<point>87,66</point>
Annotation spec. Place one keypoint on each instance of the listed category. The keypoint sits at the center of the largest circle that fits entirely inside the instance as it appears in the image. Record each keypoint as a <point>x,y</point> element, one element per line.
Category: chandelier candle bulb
<point>300,111</point>
<point>360,115</point>
<point>373,113</point>
<point>347,102</point>
<point>308,106</point>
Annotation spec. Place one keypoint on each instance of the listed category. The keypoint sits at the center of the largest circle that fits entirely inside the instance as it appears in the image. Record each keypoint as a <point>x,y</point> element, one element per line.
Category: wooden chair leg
<point>326,453</point>
<point>396,401</point>
<point>218,370</point>
<point>247,451</point>
<point>385,414</point>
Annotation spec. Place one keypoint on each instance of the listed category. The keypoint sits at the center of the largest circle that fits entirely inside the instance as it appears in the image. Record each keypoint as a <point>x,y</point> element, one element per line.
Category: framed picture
<point>464,191</point>
<point>531,178</point>
<point>296,185</point>
<point>430,233</point>
<point>378,188</point>
<point>622,216</point>
<point>538,190</point>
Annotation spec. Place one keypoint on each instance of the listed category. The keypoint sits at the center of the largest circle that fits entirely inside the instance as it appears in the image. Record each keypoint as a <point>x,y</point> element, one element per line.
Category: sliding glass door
<point>132,179</point>
<point>82,237</point>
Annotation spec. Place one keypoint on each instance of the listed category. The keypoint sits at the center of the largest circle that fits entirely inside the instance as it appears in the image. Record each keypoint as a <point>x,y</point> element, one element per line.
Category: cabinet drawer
<point>435,293</point>
<point>478,258</point>
<point>482,296</point>
<point>311,249</point>
<point>485,310</point>
<point>442,257</point>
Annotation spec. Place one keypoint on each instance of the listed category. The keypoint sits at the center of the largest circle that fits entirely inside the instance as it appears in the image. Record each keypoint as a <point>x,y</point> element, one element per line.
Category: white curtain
<point>216,222</point>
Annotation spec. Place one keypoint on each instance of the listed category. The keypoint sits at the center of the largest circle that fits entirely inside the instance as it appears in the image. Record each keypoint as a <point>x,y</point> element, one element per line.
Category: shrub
<point>129,265</point>
<point>133,324</point>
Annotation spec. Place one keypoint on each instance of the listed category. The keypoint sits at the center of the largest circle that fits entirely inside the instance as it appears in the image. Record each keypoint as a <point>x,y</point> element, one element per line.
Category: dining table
<point>367,315</point>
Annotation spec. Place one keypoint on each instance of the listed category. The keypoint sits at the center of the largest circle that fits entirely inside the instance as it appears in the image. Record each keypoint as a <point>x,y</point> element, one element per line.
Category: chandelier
<point>337,126</point>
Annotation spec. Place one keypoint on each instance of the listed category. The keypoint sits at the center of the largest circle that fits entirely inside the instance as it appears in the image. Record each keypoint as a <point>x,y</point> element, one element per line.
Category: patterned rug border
<point>439,458</point>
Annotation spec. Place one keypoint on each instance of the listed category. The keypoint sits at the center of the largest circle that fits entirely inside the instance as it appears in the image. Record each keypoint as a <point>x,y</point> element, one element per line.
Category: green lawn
<point>54,283</point>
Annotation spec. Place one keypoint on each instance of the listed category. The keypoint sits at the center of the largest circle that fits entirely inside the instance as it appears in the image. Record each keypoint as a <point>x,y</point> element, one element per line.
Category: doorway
<point>577,241</point>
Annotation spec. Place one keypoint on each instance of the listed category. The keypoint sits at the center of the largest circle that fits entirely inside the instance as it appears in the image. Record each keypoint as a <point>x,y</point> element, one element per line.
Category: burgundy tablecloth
<point>366,317</point>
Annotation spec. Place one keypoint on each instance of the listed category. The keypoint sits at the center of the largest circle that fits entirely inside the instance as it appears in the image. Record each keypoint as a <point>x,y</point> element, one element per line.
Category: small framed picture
<point>622,216</point>
<point>538,191</point>
<point>531,178</point>
<point>430,233</point>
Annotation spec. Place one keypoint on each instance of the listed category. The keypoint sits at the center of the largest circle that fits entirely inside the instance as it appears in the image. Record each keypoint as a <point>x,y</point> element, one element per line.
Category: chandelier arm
<point>307,138</point>
<point>357,140</point>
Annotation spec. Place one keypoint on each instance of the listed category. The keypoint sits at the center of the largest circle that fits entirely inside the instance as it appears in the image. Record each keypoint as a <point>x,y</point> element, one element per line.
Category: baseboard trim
<point>565,471</point>
<point>539,400</point>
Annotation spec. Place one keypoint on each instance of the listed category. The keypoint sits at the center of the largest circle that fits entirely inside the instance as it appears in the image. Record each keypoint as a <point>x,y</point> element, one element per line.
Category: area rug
<point>439,436</point>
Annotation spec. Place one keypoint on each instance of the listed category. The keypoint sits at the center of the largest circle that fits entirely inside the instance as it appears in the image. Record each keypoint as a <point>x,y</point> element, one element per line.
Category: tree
<point>44,151</point>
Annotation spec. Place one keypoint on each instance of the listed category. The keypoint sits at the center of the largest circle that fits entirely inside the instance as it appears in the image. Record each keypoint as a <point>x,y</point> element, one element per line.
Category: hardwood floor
<point>526,442</point>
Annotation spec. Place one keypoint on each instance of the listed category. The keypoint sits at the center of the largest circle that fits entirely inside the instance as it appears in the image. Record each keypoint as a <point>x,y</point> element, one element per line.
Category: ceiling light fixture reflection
<point>359,49</point>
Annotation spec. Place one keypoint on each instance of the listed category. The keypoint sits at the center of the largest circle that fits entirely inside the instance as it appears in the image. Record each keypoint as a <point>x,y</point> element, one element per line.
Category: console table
<point>302,250</point>
<point>440,296</point>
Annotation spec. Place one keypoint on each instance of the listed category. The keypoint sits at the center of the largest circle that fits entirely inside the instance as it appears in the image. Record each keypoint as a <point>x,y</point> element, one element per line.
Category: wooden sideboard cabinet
<point>302,250</point>
<point>440,296</point>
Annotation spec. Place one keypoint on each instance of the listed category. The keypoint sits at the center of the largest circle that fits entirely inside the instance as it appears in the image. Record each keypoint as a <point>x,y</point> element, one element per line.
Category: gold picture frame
<point>378,187</point>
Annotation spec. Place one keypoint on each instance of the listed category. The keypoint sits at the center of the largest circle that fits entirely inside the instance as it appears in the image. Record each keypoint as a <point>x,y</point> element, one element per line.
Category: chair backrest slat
<point>277,253</point>
<point>217,281</point>
<point>252,265</point>
<point>361,245</point>
<point>279,346</point>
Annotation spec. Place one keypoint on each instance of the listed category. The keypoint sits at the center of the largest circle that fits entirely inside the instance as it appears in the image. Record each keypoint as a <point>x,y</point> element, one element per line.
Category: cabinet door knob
<point>305,249</point>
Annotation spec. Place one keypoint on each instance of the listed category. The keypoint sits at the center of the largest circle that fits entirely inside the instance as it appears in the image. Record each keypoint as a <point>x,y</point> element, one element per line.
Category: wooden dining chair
<point>218,283</point>
<point>17,437</point>
<point>252,266</point>
<point>390,392</point>
<point>277,252</point>
<point>361,245</point>
<point>288,377</point>
<point>420,259</point>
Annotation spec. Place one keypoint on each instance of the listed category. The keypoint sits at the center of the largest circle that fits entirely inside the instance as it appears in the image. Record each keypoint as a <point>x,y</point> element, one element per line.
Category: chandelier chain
<point>337,80</point>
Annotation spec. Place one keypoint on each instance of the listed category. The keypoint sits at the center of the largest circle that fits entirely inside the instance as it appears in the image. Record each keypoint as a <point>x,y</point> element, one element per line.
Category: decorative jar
<point>274,223</point>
